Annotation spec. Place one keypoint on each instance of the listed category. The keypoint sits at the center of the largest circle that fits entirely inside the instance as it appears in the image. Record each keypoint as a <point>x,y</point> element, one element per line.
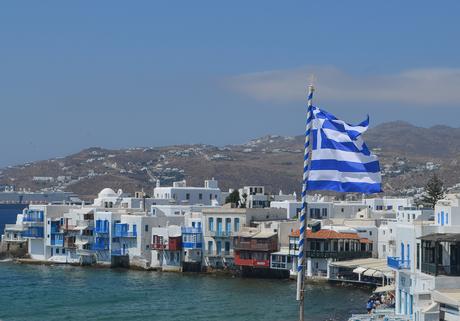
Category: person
<point>370,306</point>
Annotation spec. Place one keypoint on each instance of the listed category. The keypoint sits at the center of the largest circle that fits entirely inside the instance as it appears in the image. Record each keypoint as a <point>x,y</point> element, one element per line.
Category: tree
<point>233,197</point>
<point>434,191</point>
<point>243,202</point>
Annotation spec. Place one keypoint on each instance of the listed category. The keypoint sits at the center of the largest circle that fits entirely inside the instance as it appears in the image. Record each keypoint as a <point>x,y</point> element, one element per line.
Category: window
<point>384,248</point>
<point>447,218</point>
<point>236,223</point>
<point>57,251</point>
<point>418,256</point>
<point>146,228</point>
<point>63,251</point>
<point>228,224</point>
<point>342,210</point>
<point>209,247</point>
<point>187,196</point>
<point>370,233</point>
<point>219,247</point>
<point>200,196</point>
<point>211,223</point>
<point>324,212</point>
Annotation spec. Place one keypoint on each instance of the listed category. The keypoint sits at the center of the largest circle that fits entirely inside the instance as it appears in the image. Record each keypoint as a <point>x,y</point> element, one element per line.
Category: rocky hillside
<point>408,155</point>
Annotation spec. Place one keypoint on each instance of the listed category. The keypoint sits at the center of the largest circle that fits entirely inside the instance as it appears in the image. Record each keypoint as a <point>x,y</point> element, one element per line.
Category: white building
<point>180,193</point>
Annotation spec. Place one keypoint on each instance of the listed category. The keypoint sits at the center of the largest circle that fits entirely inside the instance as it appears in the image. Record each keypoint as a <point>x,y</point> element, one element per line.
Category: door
<point>402,252</point>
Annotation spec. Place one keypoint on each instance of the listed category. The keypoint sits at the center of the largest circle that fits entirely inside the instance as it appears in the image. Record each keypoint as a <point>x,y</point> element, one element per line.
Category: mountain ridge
<point>271,160</point>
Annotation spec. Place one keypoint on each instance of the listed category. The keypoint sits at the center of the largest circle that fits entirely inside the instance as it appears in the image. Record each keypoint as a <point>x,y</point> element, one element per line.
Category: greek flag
<point>340,160</point>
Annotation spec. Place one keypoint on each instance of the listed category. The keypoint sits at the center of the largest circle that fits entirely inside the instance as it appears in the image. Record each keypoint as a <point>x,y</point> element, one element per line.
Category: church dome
<point>107,192</point>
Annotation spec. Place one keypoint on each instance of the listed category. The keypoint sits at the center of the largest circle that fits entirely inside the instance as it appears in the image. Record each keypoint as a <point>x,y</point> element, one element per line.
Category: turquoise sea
<point>37,292</point>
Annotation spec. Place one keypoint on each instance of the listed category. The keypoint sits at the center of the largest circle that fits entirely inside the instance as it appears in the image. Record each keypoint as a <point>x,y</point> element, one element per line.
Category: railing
<point>252,262</point>
<point>34,233</point>
<point>221,233</point>
<point>280,265</point>
<point>398,263</point>
<point>119,252</point>
<point>339,255</point>
<point>191,230</point>
<point>33,216</point>
<point>102,226</point>
<point>438,269</point>
<point>253,246</point>
<point>57,242</point>
<point>192,245</point>
<point>158,246</point>
<point>100,246</point>
<point>125,234</point>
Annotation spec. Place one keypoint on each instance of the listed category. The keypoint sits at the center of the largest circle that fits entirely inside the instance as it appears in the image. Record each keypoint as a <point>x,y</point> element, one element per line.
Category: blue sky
<point>147,73</point>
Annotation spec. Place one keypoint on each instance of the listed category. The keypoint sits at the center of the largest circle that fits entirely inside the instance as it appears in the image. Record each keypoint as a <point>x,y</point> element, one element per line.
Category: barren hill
<point>273,161</point>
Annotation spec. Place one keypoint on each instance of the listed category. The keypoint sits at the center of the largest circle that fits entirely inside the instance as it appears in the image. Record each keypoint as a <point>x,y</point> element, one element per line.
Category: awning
<point>377,274</point>
<point>81,227</point>
<point>359,270</point>
<point>447,296</point>
<point>432,308</point>
<point>369,272</point>
<point>386,288</point>
<point>81,242</point>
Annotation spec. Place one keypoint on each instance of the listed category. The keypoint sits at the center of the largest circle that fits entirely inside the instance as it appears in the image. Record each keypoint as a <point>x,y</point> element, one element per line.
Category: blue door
<point>219,225</point>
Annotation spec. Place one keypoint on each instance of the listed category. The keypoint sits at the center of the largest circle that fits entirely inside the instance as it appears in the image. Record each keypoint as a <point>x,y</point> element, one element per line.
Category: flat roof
<point>441,237</point>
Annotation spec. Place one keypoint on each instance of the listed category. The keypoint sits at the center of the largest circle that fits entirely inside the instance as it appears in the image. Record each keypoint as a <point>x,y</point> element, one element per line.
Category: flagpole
<point>303,213</point>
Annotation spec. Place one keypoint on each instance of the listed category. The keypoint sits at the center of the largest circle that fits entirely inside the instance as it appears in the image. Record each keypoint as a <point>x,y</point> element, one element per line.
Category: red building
<point>253,248</point>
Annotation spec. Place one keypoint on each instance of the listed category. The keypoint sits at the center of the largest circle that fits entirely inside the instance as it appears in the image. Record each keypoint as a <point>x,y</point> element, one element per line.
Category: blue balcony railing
<point>125,234</point>
<point>192,245</point>
<point>35,232</point>
<point>57,242</point>
<point>119,252</point>
<point>33,216</point>
<point>122,230</point>
<point>102,226</point>
<point>100,246</point>
<point>398,263</point>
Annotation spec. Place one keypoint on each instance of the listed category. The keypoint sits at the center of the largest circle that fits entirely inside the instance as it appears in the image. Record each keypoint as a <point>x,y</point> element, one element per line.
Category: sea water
<point>62,292</point>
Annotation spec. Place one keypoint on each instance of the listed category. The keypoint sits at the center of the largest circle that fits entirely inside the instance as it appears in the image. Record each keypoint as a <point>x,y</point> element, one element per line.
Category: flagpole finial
<point>311,83</point>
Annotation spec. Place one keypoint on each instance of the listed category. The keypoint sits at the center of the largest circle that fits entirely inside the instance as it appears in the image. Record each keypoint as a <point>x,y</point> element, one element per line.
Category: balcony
<point>122,230</point>
<point>339,255</point>
<point>69,242</point>
<point>438,269</point>
<point>221,233</point>
<point>192,245</point>
<point>398,263</point>
<point>252,262</point>
<point>33,216</point>
<point>119,252</point>
<point>100,246</point>
<point>191,230</point>
<point>36,232</point>
<point>254,246</point>
<point>102,227</point>
<point>57,240</point>
<point>158,246</point>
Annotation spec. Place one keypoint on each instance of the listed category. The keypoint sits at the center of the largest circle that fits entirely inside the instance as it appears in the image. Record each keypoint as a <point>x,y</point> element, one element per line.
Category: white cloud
<point>418,86</point>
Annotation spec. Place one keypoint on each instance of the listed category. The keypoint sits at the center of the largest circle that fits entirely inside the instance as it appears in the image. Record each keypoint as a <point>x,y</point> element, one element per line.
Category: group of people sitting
<point>377,300</point>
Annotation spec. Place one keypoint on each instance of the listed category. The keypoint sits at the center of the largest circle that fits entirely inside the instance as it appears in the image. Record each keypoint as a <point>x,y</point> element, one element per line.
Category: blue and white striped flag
<point>340,160</point>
